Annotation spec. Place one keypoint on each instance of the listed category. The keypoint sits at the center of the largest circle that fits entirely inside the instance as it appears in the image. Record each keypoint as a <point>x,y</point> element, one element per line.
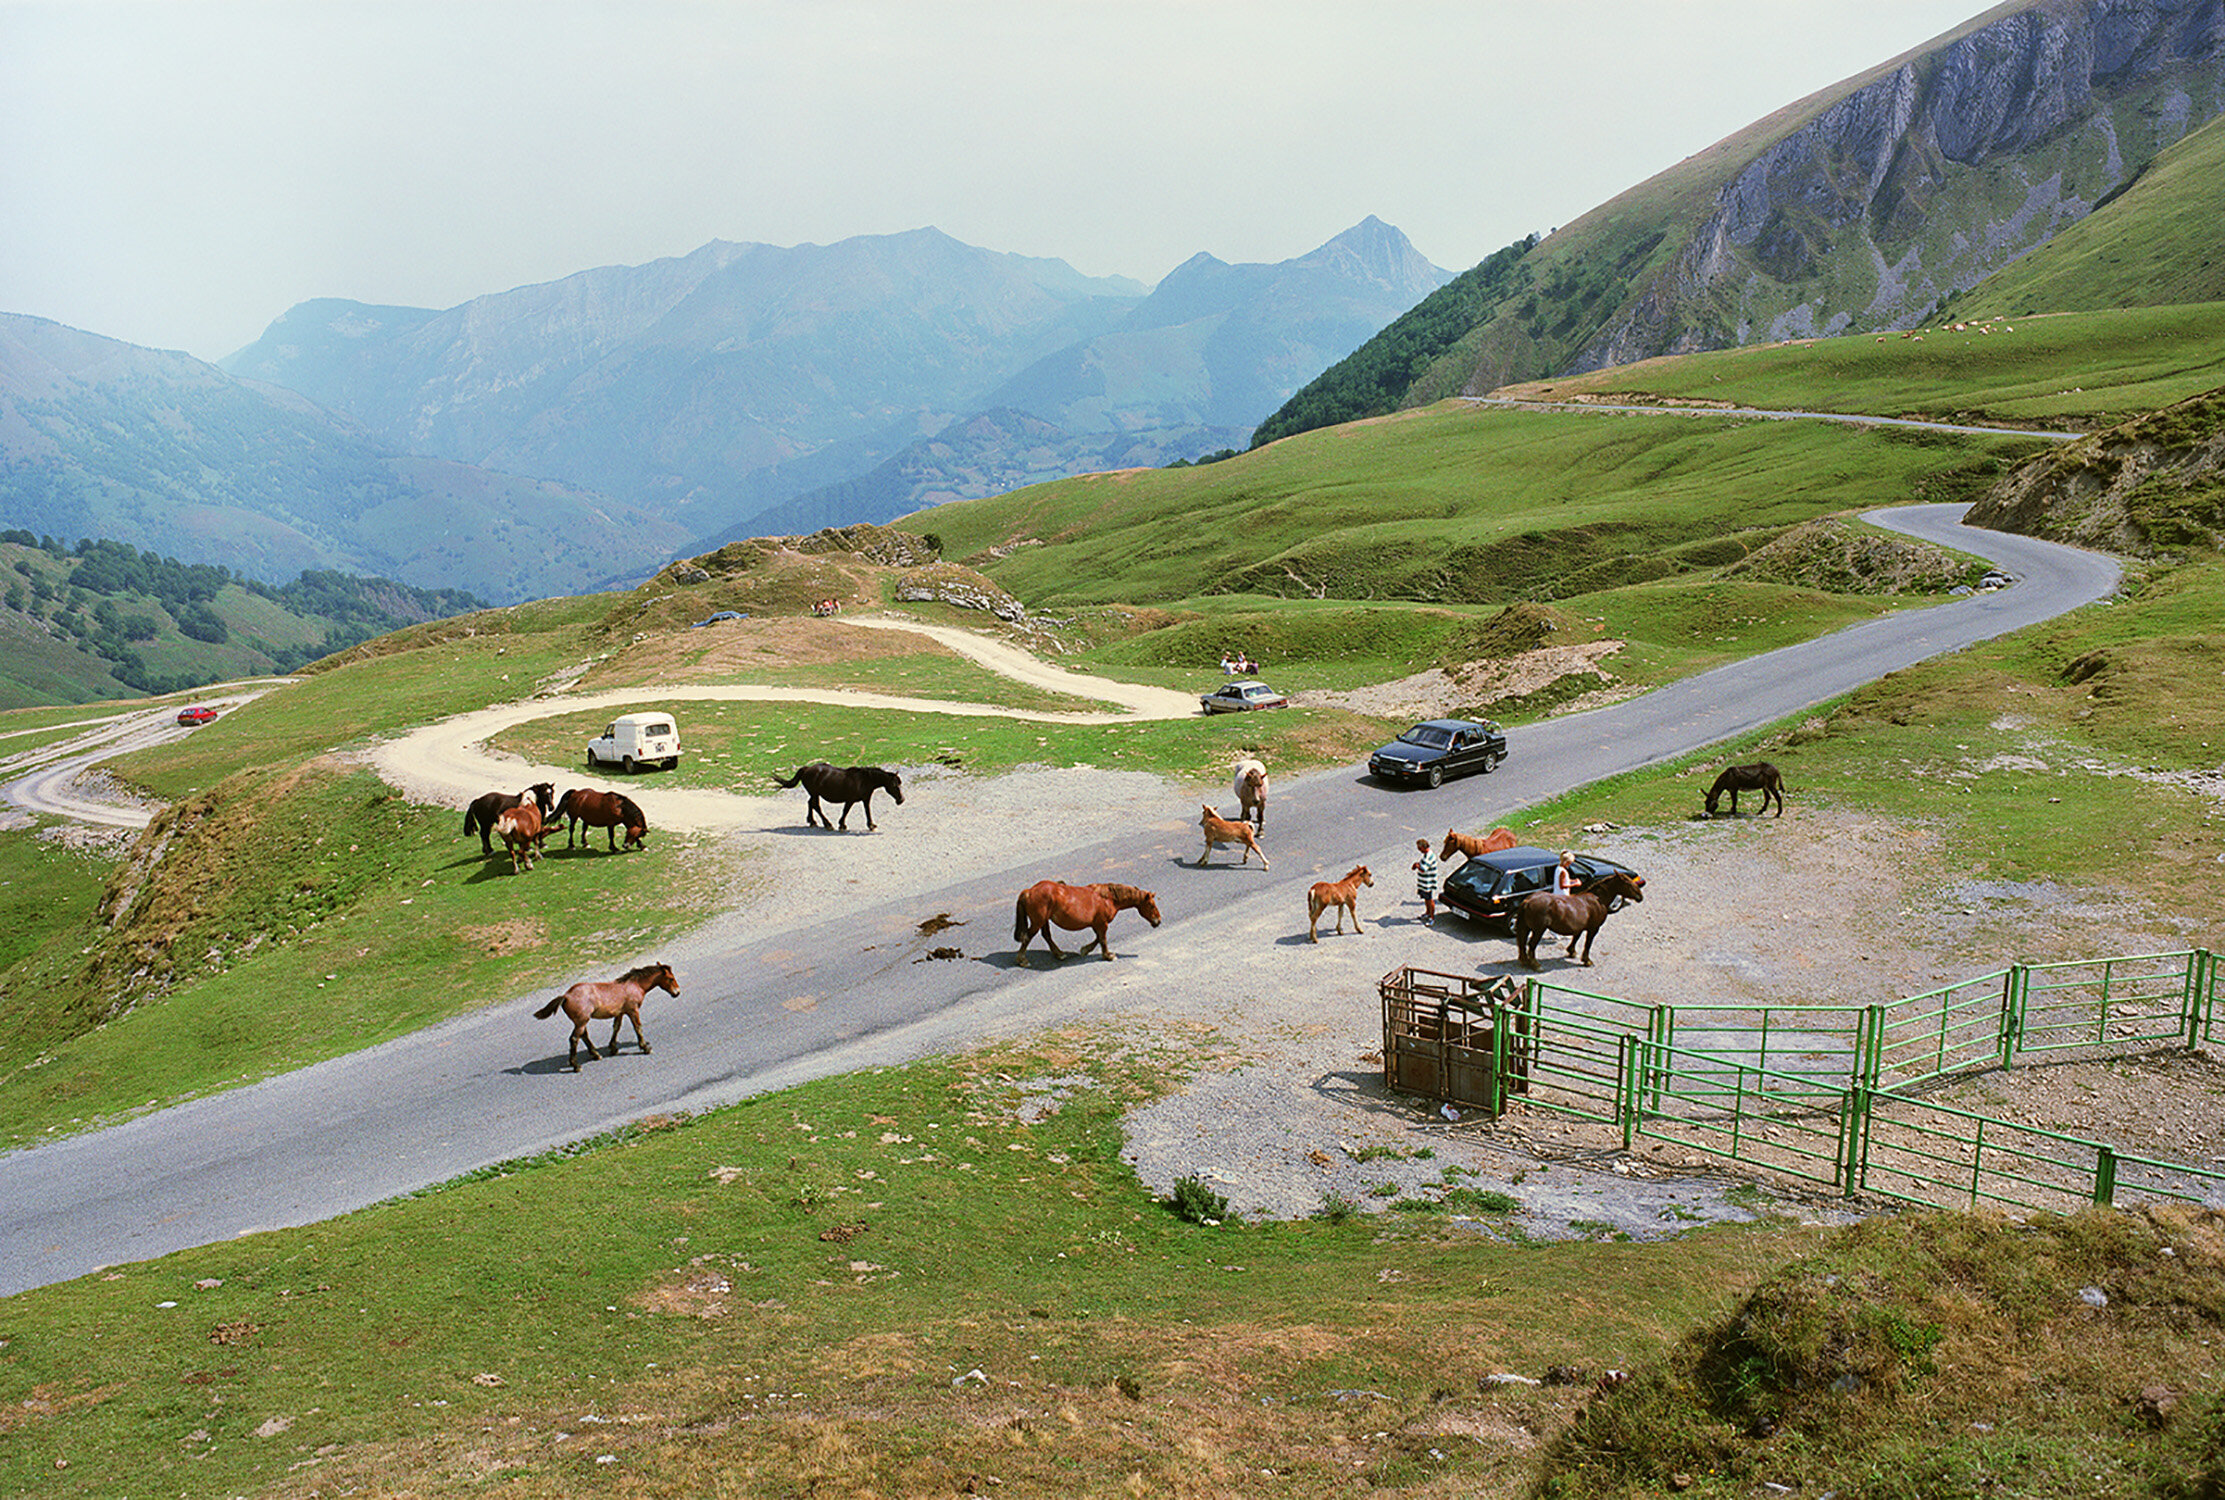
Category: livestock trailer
<point>1462,1038</point>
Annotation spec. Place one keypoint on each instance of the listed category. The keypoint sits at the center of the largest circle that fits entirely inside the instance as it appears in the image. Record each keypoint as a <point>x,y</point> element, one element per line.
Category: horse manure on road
<point>939,922</point>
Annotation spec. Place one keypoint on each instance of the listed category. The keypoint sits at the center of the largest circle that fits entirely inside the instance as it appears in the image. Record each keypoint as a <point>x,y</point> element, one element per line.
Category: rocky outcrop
<point>1870,213</point>
<point>2155,484</point>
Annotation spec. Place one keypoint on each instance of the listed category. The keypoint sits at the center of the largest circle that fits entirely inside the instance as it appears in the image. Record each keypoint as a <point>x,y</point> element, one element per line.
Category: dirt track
<point>449,763</point>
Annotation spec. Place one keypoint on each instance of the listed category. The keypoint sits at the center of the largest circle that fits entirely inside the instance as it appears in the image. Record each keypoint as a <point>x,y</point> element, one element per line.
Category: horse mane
<point>626,806</point>
<point>1119,892</point>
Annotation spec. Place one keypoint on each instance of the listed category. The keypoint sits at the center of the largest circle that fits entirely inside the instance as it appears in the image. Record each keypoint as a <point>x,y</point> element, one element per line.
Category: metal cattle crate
<point>1443,1038</point>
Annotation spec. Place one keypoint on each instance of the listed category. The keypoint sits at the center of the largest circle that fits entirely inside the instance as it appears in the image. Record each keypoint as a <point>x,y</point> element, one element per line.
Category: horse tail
<point>1020,918</point>
<point>549,1009</point>
<point>791,781</point>
<point>471,816</point>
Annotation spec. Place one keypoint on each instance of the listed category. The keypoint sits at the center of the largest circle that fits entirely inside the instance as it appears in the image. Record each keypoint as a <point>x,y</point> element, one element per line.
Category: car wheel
<point>672,764</point>
<point>1491,763</point>
<point>626,764</point>
<point>1436,775</point>
<point>590,760</point>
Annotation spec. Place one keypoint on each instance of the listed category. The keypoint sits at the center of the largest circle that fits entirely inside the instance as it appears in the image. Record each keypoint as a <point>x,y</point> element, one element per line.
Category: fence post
<point>1626,1085</point>
<point>2015,989</point>
<point>2201,969</point>
<point>1869,1046</point>
<point>2105,1177</point>
<point>1661,1032</point>
<point>1854,1138</point>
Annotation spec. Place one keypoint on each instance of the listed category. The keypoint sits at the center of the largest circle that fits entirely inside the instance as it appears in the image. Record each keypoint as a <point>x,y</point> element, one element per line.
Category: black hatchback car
<point>1488,887</point>
<point>1437,750</point>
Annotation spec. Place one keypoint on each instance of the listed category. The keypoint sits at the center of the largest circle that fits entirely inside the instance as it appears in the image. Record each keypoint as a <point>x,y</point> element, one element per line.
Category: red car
<point>198,714</point>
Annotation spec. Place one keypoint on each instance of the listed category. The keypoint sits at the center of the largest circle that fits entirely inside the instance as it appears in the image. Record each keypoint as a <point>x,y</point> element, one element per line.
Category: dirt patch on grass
<point>504,938</point>
<point>1478,684</point>
<point>745,649</point>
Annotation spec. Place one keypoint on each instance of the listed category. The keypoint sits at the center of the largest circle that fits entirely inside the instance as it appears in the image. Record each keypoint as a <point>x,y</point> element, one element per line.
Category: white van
<point>636,740</point>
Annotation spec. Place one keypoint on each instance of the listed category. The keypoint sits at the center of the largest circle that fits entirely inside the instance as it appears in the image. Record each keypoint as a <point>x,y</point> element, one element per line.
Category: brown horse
<point>612,1000</point>
<point>521,831</point>
<point>487,806</point>
<point>585,808</point>
<point>1578,915</point>
<point>1344,895</point>
<point>1074,907</point>
<point>1251,793</point>
<point>847,785</point>
<point>1472,844</point>
<point>1220,831</point>
<point>1761,776</point>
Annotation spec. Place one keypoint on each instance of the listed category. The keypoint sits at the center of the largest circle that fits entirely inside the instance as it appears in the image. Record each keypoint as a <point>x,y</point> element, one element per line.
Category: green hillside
<point>105,620</point>
<point>2069,371</point>
<point>2156,244</point>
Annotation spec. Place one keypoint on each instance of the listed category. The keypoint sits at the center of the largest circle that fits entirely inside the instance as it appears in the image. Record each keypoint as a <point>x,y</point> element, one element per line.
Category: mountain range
<point>1865,206</point>
<point>556,437</point>
<point>559,437</point>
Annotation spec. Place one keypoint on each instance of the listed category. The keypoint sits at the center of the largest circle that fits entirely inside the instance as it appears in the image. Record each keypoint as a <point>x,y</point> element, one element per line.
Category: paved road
<point>780,1008</point>
<point>1850,419</point>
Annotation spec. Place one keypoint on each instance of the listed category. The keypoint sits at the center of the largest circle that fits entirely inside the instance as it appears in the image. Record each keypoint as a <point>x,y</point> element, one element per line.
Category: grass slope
<point>2080,369</point>
<point>2154,245</point>
<point>1455,505</point>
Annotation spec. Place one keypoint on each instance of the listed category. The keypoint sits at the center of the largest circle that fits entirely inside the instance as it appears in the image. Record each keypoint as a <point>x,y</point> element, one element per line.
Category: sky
<point>179,173</point>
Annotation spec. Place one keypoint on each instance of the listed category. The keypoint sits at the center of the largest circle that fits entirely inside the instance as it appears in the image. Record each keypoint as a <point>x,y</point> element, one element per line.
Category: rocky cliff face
<point>1929,176</point>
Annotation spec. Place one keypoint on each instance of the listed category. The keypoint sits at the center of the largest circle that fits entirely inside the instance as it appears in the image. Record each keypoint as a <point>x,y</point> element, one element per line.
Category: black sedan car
<point>1488,887</point>
<point>1438,749</point>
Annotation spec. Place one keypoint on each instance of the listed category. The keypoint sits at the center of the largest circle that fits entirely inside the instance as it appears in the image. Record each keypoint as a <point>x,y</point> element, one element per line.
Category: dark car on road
<point>1437,750</point>
<point>1488,886</point>
<point>1239,697</point>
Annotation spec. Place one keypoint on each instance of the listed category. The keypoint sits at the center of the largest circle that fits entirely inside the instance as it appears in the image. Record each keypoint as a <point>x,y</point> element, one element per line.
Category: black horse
<point>844,784</point>
<point>1761,776</point>
<point>488,806</point>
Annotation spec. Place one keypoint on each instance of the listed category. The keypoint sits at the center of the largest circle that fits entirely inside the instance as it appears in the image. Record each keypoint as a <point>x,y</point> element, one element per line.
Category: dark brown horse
<point>1343,894</point>
<point>487,806</point>
<point>847,785</point>
<point>1471,844</point>
<point>1049,903</point>
<point>1251,793</point>
<point>612,1000</point>
<point>1578,915</point>
<point>1761,776</point>
<point>584,807</point>
<point>521,830</point>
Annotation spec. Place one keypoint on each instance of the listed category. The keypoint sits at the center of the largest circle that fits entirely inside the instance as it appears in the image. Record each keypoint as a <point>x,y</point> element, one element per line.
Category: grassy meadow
<point>905,1281</point>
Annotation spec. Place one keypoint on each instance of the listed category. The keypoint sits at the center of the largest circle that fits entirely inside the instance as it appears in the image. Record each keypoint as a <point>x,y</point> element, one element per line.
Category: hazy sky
<point>178,173</point>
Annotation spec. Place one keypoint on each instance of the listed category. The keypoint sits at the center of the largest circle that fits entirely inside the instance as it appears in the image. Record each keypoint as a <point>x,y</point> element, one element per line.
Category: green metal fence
<point>1824,1094</point>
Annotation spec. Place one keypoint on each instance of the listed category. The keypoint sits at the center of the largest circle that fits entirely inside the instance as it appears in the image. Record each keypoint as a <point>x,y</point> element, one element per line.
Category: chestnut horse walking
<point>1251,793</point>
<point>585,808</point>
<point>847,785</point>
<point>1220,831</point>
<point>1343,894</point>
<point>1761,776</point>
<point>487,806</point>
<point>1578,915</point>
<point>1049,903</point>
<point>612,1000</point>
<point>521,830</point>
<point>1473,844</point>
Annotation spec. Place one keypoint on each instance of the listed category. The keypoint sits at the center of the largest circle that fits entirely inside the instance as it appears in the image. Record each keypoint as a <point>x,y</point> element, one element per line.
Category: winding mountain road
<point>766,1009</point>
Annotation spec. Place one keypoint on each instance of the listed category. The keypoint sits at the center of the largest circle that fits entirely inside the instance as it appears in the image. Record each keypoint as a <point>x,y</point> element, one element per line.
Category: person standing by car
<point>1425,879</point>
<point>1564,876</point>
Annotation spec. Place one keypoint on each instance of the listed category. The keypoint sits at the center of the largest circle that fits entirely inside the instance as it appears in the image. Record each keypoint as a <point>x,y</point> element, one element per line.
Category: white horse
<point>1251,792</point>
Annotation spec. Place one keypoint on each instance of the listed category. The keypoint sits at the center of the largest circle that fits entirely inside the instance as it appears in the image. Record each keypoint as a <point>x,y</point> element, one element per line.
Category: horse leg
<point>1313,923</point>
<point>635,1012</point>
<point>1104,939</point>
<point>870,825</point>
<point>1056,951</point>
<point>1356,927</point>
